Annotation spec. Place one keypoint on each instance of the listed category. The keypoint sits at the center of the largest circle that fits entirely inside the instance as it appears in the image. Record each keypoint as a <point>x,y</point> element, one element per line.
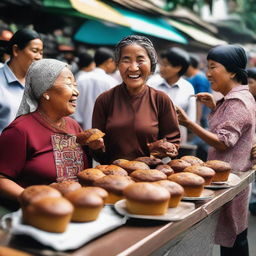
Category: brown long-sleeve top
<point>130,122</point>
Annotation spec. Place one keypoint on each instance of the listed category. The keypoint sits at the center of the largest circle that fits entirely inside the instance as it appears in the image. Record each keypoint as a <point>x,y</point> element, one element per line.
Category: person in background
<point>92,84</point>
<point>67,54</point>
<point>5,36</point>
<point>174,63</point>
<point>39,146</point>
<point>252,87</point>
<point>85,63</point>
<point>230,136</point>
<point>201,84</point>
<point>24,47</point>
<point>133,114</point>
<point>252,81</point>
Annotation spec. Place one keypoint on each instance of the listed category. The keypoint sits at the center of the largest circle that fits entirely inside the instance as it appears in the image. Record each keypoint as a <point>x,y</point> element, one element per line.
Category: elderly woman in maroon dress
<point>230,135</point>
<point>132,114</point>
<point>39,146</point>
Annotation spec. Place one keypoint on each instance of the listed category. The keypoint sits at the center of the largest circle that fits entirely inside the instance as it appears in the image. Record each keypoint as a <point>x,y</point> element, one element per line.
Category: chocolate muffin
<point>178,165</point>
<point>222,170</point>
<point>131,166</point>
<point>87,204</point>
<point>65,186</point>
<point>114,185</point>
<point>166,169</point>
<point>193,184</point>
<point>112,170</point>
<point>88,176</point>
<point>87,136</point>
<point>176,191</point>
<point>50,214</point>
<point>193,160</point>
<point>148,175</point>
<point>162,148</point>
<point>203,171</point>
<point>35,193</point>
<point>151,161</point>
<point>146,198</point>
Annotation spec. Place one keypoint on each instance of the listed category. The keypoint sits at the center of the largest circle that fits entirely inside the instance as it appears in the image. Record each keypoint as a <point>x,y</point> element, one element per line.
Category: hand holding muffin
<point>93,138</point>
<point>162,148</point>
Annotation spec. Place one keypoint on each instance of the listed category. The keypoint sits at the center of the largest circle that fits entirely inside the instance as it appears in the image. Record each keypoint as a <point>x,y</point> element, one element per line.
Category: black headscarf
<point>233,58</point>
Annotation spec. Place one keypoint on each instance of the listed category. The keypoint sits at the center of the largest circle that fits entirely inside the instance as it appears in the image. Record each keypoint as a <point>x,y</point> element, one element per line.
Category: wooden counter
<point>145,237</point>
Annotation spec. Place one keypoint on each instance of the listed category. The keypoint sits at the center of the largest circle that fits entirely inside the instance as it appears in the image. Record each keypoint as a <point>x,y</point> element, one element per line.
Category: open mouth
<point>134,76</point>
<point>73,102</point>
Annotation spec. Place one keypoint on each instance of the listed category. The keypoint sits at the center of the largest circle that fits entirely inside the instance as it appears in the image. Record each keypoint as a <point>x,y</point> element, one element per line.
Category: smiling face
<point>168,71</point>
<point>33,51</point>
<point>63,94</point>
<point>134,67</point>
<point>219,77</point>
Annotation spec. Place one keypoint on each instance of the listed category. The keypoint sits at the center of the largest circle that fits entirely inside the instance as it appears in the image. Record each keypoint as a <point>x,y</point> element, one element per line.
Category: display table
<point>190,236</point>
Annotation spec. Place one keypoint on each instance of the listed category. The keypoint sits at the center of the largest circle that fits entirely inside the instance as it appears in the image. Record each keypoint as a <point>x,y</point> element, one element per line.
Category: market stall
<point>188,236</point>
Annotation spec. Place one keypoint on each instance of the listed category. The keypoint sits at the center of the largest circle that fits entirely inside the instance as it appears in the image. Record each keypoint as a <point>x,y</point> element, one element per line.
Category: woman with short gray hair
<point>132,114</point>
<point>39,146</point>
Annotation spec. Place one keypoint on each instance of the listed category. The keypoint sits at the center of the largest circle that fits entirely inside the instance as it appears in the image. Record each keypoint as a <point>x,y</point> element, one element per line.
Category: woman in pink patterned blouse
<point>230,135</point>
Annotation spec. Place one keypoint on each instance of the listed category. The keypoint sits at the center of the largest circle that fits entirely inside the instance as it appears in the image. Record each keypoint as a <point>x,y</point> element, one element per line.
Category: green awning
<point>196,33</point>
<point>98,31</point>
<point>92,9</point>
<point>101,33</point>
<point>153,26</point>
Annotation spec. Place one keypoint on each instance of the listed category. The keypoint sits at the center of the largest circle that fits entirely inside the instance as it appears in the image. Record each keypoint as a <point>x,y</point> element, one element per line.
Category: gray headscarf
<point>40,76</point>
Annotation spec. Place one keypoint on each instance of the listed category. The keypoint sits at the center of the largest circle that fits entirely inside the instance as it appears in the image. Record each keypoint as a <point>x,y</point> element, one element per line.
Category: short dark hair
<point>84,59</point>
<point>194,60</point>
<point>141,41</point>
<point>251,73</point>
<point>177,57</point>
<point>22,38</point>
<point>102,54</point>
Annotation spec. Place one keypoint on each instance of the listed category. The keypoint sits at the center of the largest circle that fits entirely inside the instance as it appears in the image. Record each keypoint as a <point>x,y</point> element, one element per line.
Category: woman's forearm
<point>209,137</point>
<point>9,188</point>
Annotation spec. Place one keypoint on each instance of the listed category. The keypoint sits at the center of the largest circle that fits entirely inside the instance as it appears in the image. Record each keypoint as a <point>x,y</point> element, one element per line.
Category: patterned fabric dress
<point>233,121</point>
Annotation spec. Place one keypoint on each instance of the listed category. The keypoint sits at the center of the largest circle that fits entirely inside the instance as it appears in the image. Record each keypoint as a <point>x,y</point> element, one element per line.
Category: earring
<point>46,96</point>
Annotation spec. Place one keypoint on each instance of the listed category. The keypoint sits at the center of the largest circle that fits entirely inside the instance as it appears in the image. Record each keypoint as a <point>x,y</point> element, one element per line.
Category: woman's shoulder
<point>21,124</point>
<point>242,96</point>
<point>23,121</point>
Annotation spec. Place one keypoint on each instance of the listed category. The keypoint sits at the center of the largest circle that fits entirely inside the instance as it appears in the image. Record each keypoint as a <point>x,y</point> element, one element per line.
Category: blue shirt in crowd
<point>201,84</point>
<point>11,92</point>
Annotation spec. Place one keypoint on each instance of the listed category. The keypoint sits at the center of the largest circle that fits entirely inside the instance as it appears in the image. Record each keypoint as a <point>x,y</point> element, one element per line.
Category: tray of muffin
<point>63,215</point>
<point>143,188</point>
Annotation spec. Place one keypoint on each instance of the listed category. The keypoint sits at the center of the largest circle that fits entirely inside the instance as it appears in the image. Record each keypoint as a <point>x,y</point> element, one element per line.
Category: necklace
<point>61,127</point>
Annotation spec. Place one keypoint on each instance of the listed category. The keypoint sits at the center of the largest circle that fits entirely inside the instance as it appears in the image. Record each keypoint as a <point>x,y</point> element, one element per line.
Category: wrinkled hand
<point>97,145</point>
<point>182,116</point>
<point>207,99</point>
<point>162,148</point>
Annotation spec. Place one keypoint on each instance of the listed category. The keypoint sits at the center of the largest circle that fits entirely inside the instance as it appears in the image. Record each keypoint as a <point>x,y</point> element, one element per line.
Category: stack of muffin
<point>149,187</point>
<point>52,207</point>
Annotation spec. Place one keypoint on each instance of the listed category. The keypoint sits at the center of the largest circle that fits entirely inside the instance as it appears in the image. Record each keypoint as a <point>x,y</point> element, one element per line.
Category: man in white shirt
<point>92,84</point>
<point>173,65</point>
<point>85,64</point>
